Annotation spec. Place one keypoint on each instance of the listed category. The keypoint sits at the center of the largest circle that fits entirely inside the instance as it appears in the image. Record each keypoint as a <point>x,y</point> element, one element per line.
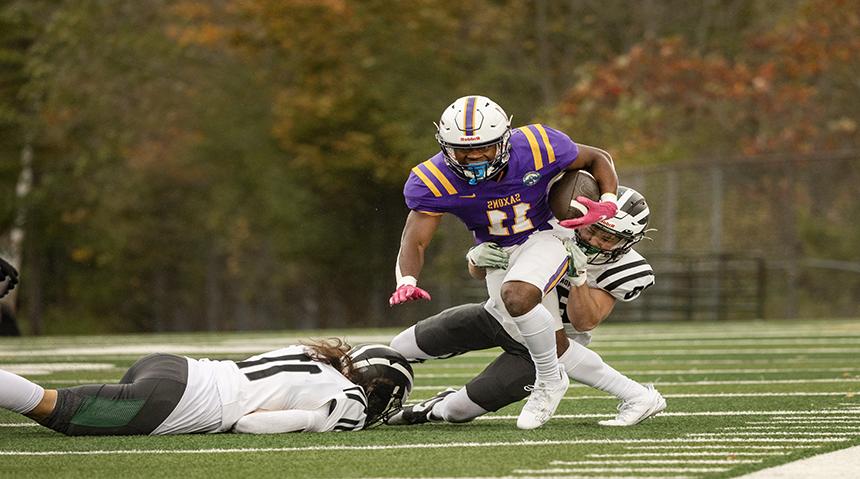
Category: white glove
<point>488,255</point>
<point>578,262</point>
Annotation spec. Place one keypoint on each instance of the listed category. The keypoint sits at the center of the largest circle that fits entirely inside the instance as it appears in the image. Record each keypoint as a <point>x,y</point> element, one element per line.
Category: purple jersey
<point>505,209</point>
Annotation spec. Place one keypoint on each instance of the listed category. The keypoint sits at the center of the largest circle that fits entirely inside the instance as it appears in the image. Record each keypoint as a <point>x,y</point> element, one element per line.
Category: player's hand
<point>488,255</point>
<point>597,211</point>
<point>8,277</point>
<point>576,268</point>
<point>407,292</point>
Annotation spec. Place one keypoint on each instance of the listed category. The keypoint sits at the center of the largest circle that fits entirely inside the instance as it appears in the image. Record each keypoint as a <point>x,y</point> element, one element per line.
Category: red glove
<point>407,292</point>
<point>596,212</point>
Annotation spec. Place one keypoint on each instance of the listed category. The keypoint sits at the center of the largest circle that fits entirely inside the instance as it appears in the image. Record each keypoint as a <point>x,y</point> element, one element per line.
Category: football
<point>565,190</point>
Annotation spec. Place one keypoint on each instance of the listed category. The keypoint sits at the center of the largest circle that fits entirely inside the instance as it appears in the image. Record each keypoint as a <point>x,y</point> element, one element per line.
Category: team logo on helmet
<point>531,178</point>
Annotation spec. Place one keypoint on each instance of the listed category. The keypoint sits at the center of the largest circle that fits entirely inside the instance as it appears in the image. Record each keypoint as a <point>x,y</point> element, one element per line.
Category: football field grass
<point>741,396</point>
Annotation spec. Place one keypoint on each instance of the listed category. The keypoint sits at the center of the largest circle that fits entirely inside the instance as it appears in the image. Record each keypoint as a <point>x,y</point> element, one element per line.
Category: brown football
<point>563,193</point>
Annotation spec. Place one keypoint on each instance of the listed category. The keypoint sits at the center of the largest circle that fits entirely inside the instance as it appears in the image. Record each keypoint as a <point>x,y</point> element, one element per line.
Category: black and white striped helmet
<point>629,225</point>
<point>386,377</point>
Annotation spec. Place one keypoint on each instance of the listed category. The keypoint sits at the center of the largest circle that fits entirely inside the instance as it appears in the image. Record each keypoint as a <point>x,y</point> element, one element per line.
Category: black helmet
<point>386,377</point>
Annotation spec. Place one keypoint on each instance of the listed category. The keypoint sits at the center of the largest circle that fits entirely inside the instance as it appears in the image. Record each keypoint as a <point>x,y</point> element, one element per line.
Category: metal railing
<point>693,287</point>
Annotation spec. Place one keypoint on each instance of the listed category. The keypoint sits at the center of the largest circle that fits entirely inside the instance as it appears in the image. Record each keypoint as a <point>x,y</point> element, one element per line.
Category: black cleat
<point>418,413</point>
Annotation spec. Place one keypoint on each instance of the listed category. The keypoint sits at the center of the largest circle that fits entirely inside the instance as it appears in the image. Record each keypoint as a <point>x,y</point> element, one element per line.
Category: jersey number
<point>301,363</point>
<point>634,292</point>
<point>520,223</point>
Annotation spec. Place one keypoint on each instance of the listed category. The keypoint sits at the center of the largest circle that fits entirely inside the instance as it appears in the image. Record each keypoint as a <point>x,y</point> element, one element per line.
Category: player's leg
<point>535,268</point>
<point>501,383</point>
<point>454,331</point>
<point>19,394</point>
<point>638,402</point>
<point>149,392</point>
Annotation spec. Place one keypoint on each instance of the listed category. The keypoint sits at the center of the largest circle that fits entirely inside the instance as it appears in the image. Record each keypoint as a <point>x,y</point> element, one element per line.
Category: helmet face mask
<point>474,123</point>
<point>386,377</point>
<point>628,227</point>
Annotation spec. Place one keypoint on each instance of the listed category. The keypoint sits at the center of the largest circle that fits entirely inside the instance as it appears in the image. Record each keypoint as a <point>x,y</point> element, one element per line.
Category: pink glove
<point>596,212</point>
<point>407,292</point>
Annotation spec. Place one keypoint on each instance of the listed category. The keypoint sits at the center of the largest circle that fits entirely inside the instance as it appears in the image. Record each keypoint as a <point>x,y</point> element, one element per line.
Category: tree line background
<point>238,164</point>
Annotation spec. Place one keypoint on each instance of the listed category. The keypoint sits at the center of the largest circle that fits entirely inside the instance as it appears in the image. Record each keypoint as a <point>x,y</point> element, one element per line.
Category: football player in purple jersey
<point>604,269</point>
<point>495,180</point>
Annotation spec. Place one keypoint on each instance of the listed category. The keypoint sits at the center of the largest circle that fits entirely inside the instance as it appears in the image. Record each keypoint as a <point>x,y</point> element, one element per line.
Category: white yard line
<point>253,348</point>
<point>760,381</point>
<point>656,462</point>
<point>843,464</point>
<point>616,343</point>
<point>811,421</point>
<point>384,447</point>
<point>742,371</point>
<point>773,433</point>
<point>690,454</point>
<point>38,369</point>
<point>800,361</point>
<point>814,418</point>
<point>685,414</point>
<point>701,447</point>
<point>783,427</point>
<point>732,395</point>
<point>619,469</point>
<point>673,383</point>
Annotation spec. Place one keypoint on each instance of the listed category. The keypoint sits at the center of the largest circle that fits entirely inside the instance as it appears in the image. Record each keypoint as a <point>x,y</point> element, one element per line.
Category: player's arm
<point>274,422</point>
<point>587,307</point>
<point>477,272</point>
<point>416,237</point>
<point>599,163</point>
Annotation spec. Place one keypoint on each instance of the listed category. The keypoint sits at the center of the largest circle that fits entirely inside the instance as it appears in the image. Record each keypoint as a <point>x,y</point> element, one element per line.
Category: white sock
<point>587,367</point>
<point>457,407</point>
<point>406,344</point>
<point>539,335</point>
<point>18,394</point>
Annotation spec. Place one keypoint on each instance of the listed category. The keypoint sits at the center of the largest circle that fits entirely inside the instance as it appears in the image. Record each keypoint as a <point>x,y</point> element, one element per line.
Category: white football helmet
<point>474,122</point>
<point>628,226</point>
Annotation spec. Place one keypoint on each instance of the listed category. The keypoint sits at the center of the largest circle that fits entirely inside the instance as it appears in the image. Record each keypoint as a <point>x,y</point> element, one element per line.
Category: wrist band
<point>608,197</point>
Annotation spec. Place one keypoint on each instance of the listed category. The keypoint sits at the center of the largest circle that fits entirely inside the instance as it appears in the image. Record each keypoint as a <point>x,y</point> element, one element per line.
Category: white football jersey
<point>624,279</point>
<point>219,393</point>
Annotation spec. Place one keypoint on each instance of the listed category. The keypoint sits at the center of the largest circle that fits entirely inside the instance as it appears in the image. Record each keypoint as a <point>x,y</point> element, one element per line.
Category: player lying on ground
<point>495,180</point>
<point>607,271</point>
<point>314,387</point>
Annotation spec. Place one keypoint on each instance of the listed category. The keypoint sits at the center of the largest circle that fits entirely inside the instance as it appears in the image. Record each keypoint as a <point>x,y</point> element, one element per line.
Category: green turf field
<point>741,396</point>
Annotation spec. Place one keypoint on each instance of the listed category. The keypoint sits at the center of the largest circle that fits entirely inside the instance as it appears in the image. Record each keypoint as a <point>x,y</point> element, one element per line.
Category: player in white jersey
<point>314,387</point>
<point>604,269</point>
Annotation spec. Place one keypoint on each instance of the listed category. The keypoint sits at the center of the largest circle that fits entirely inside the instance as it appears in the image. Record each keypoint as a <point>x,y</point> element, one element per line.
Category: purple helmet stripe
<point>469,123</point>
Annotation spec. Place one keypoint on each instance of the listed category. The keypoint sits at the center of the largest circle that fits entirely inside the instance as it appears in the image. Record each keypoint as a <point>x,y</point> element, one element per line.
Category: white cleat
<point>543,401</point>
<point>639,409</point>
